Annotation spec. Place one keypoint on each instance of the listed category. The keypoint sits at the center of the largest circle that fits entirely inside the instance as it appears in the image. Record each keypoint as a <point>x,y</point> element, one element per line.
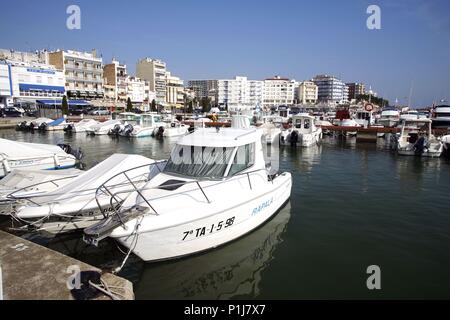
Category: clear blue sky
<point>258,39</point>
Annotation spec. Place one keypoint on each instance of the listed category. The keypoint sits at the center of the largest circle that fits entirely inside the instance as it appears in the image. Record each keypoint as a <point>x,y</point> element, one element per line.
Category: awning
<point>38,87</point>
<point>49,102</point>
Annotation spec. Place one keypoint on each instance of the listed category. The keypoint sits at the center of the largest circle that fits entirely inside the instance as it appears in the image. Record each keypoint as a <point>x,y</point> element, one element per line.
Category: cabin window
<point>298,123</point>
<point>244,158</point>
<point>199,162</point>
<point>307,124</point>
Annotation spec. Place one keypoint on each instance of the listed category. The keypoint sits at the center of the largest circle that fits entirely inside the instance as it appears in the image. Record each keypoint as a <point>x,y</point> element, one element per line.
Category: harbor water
<point>353,205</point>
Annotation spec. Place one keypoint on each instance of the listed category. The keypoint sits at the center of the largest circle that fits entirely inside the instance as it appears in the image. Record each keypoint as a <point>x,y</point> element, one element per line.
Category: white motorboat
<point>82,126</point>
<point>214,189</point>
<point>125,119</point>
<point>32,181</point>
<point>303,133</point>
<point>103,128</point>
<point>79,202</point>
<point>23,155</point>
<point>171,129</point>
<point>271,127</point>
<point>389,117</point>
<point>55,125</point>
<point>415,140</point>
<point>441,117</point>
<point>32,124</point>
<point>143,127</point>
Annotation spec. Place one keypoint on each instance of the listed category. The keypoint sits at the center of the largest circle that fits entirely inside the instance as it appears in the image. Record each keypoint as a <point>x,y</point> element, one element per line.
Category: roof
<point>225,137</point>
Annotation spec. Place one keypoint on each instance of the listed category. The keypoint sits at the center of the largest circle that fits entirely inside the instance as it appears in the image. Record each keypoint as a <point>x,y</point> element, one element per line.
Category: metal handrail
<point>197,182</point>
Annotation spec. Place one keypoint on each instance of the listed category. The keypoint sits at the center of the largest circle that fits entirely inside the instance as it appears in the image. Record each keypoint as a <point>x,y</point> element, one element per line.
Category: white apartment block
<point>278,91</point>
<point>174,90</point>
<point>203,88</point>
<point>307,92</point>
<point>331,89</point>
<point>28,82</point>
<point>37,57</point>
<point>83,72</point>
<point>153,71</point>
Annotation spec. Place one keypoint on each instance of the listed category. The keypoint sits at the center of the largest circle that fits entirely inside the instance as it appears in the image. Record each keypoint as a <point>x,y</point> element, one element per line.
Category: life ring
<point>368,107</point>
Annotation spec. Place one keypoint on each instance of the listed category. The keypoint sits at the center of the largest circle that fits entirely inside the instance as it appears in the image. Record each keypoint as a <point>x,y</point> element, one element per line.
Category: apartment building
<point>203,88</point>
<point>153,71</point>
<point>355,89</point>
<point>306,92</point>
<point>278,91</point>
<point>174,91</point>
<point>331,89</point>
<point>36,57</point>
<point>83,72</point>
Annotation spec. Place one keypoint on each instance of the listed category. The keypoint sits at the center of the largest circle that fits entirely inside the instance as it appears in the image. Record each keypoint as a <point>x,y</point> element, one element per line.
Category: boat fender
<point>55,158</point>
<point>294,138</point>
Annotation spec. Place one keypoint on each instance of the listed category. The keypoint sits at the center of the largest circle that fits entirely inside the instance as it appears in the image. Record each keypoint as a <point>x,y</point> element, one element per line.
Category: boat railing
<point>116,206</point>
<point>106,189</point>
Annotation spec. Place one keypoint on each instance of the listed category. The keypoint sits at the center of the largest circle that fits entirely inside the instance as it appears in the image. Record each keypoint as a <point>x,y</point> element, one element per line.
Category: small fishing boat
<point>418,140</point>
<point>214,189</point>
<point>124,118</point>
<point>103,128</point>
<point>82,126</point>
<point>80,202</point>
<point>303,133</point>
<point>23,155</point>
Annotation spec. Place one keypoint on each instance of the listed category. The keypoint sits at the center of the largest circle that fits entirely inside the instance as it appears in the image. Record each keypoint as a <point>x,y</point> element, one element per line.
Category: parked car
<point>99,112</point>
<point>12,112</point>
<point>76,111</point>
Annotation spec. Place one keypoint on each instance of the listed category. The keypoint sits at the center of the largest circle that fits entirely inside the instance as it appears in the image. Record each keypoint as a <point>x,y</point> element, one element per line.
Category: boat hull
<point>214,230</point>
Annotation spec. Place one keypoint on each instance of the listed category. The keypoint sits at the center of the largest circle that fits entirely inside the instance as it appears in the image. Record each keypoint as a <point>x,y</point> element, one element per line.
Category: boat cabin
<point>212,153</point>
<point>303,123</point>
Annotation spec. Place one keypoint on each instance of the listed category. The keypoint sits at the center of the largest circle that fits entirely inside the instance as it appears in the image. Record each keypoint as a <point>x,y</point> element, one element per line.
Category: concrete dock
<point>32,272</point>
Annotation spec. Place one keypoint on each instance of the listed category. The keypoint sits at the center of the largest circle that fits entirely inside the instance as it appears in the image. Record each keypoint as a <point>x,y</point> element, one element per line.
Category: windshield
<point>199,162</point>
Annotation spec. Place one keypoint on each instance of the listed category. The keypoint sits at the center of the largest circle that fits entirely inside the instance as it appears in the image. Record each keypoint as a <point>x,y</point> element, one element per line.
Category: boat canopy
<point>20,150</point>
<point>57,122</point>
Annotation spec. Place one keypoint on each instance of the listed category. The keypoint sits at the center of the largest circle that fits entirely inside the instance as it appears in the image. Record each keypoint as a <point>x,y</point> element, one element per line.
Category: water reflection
<point>228,272</point>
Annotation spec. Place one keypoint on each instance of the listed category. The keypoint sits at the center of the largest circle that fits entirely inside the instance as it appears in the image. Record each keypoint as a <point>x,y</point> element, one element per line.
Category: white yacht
<point>416,139</point>
<point>23,155</point>
<point>409,115</point>
<point>144,126</point>
<point>389,117</point>
<point>81,126</point>
<point>303,133</point>
<point>194,205</point>
<point>441,117</point>
<point>103,128</point>
<point>79,202</point>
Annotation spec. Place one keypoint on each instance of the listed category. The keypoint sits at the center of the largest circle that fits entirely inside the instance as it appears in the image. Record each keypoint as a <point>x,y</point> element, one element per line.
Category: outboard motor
<point>76,152</point>
<point>419,146</point>
<point>42,126</point>
<point>160,132</point>
<point>294,138</point>
<point>22,125</point>
<point>128,130</point>
<point>116,129</point>
<point>68,128</point>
